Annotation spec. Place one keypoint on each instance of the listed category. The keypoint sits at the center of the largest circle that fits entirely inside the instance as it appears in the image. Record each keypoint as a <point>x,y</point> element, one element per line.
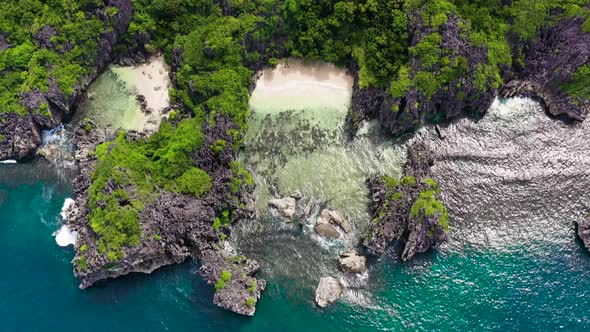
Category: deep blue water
<point>541,285</point>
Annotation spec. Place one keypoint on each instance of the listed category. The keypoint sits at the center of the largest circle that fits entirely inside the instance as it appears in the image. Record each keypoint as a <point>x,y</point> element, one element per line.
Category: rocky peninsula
<point>408,209</point>
<point>145,201</point>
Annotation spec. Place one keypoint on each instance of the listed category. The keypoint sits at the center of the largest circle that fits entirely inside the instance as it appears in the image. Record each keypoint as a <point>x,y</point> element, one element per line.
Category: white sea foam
<point>68,203</point>
<point>9,161</point>
<point>64,237</point>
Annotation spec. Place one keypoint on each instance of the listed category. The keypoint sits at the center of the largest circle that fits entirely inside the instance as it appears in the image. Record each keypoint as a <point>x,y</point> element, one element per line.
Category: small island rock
<point>353,262</point>
<point>329,290</point>
<point>285,207</point>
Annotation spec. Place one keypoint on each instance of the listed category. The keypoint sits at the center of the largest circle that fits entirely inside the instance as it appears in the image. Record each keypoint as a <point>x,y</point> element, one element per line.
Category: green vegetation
<point>223,280</point>
<point>218,146</point>
<point>408,181</point>
<point>429,206</point>
<point>579,85</point>
<point>214,76</point>
<point>252,287</point>
<point>222,220</point>
<point>240,178</point>
<point>81,263</point>
<point>250,301</point>
<point>424,205</point>
<point>218,56</point>
<point>67,53</point>
<point>194,181</point>
<point>137,169</point>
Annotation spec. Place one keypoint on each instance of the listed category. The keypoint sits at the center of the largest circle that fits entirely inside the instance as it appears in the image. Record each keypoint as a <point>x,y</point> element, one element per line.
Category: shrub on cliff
<point>195,182</point>
<point>129,173</point>
<point>55,40</point>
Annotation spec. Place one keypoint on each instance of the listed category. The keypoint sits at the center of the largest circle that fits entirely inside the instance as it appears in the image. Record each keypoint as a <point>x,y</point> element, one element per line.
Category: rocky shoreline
<point>408,209</point>
<point>548,62</point>
<point>175,228</point>
<point>22,134</point>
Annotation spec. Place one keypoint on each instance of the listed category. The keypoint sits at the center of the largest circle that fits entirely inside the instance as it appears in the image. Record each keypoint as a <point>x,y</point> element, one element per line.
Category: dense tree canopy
<point>216,46</point>
<point>40,40</point>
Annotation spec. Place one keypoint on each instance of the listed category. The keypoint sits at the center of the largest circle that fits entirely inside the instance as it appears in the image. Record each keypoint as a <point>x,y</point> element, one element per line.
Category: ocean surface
<point>514,183</point>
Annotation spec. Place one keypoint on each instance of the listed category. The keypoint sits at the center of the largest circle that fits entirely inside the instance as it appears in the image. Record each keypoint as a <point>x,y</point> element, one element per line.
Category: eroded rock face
<point>174,228</point>
<point>584,231</point>
<point>352,262</point>
<point>22,133</point>
<point>414,108</point>
<point>551,60</point>
<point>408,209</point>
<point>19,136</point>
<point>329,290</point>
<point>242,291</point>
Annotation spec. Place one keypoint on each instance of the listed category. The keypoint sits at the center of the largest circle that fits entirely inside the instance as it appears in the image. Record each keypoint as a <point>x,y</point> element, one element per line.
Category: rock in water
<point>327,230</point>
<point>345,225</point>
<point>408,209</point>
<point>285,206</point>
<point>352,262</point>
<point>584,231</point>
<point>297,195</point>
<point>329,290</point>
<point>329,221</point>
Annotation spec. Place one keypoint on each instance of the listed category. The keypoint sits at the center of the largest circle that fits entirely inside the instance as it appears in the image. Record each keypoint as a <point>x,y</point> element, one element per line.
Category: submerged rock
<point>327,230</point>
<point>286,207</point>
<point>352,262</point>
<point>330,221</point>
<point>584,231</point>
<point>329,290</point>
<point>408,209</point>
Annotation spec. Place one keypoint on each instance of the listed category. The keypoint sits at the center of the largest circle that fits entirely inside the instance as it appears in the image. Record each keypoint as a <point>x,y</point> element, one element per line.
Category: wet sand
<point>111,99</point>
<point>322,90</point>
<point>152,82</point>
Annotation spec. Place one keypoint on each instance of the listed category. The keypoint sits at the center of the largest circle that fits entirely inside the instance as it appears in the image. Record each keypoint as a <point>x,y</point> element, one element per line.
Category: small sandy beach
<point>295,85</point>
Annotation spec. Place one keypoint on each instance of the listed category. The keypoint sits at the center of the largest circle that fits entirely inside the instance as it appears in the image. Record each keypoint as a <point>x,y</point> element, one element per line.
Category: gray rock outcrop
<point>286,207</point>
<point>408,209</point>
<point>330,222</point>
<point>329,290</point>
<point>352,262</point>
<point>584,231</point>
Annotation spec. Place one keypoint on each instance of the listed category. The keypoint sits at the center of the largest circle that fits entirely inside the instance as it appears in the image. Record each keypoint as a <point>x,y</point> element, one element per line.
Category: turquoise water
<point>533,286</point>
<point>514,183</point>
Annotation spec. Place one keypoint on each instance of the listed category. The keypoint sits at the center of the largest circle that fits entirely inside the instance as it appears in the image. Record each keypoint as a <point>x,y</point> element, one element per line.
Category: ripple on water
<point>514,183</point>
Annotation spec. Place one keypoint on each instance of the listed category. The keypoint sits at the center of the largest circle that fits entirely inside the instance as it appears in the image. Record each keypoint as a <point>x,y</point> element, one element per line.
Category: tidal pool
<point>111,99</point>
